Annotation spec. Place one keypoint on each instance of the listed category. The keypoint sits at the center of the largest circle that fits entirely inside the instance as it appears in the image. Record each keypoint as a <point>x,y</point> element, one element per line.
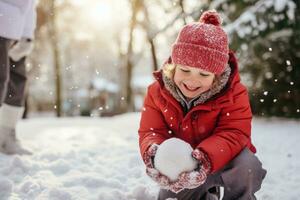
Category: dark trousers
<point>12,76</point>
<point>241,178</point>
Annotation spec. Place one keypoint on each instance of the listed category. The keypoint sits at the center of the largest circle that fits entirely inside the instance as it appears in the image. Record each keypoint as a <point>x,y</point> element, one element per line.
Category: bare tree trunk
<point>181,4</point>
<point>57,67</point>
<point>150,37</point>
<point>153,53</point>
<point>129,64</point>
<point>129,98</point>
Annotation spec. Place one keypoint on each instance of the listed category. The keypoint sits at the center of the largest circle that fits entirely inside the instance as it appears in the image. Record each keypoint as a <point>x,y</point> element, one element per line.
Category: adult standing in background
<point>17,25</point>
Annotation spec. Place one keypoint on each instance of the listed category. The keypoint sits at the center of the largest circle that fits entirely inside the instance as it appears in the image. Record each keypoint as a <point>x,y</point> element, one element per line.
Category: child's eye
<point>204,74</point>
<point>184,70</point>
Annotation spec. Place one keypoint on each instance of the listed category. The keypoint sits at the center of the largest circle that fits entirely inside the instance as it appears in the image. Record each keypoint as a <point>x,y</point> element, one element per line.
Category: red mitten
<point>193,179</point>
<point>162,180</point>
<point>203,159</point>
<point>188,180</point>
<point>149,155</point>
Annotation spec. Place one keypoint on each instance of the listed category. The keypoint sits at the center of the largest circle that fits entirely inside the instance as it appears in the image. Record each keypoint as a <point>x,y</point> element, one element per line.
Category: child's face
<point>192,81</point>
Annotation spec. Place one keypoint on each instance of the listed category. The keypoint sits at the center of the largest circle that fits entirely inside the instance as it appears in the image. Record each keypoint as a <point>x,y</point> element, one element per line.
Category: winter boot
<point>10,144</point>
<point>9,115</point>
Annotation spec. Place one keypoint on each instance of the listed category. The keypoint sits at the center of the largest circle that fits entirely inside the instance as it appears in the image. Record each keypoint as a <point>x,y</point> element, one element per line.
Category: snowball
<point>173,157</point>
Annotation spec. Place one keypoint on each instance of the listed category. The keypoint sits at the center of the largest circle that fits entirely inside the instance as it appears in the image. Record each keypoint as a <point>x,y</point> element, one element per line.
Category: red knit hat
<point>203,44</point>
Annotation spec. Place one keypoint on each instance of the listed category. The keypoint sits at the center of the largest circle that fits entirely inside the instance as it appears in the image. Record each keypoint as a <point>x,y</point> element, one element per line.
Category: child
<point>198,97</point>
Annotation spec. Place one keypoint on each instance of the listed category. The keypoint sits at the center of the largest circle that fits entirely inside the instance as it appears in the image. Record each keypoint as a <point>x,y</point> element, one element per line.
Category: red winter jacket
<point>220,127</point>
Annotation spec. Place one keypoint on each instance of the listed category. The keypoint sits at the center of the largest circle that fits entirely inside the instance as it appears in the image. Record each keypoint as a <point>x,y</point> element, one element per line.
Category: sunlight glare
<point>100,13</point>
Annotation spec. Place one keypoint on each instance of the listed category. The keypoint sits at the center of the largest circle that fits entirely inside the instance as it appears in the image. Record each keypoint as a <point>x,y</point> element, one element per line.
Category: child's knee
<point>245,173</point>
<point>249,165</point>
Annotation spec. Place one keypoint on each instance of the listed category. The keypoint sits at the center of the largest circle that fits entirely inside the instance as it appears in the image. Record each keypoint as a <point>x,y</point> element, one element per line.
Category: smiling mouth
<point>193,89</point>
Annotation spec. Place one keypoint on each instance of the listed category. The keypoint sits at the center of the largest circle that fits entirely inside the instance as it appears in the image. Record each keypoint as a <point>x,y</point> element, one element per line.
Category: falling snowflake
<point>268,75</point>
<point>265,93</point>
<point>262,100</point>
<point>270,49</point>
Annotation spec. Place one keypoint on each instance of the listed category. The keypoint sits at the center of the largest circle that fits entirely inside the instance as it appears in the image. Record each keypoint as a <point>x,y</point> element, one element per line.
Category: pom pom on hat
<point>211,17</point>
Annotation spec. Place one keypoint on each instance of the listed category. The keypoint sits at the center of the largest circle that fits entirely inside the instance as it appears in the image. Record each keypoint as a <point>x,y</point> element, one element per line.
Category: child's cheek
<point>207,84</point>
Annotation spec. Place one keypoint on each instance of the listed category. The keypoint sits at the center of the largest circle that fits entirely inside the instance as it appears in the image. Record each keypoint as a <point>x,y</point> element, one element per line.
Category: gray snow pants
<point>12,77</point>
<point>241,178</point>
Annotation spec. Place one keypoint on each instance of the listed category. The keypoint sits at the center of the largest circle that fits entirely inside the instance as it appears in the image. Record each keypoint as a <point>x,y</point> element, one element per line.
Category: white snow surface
<point>98,158</point>
<point>173,157</point>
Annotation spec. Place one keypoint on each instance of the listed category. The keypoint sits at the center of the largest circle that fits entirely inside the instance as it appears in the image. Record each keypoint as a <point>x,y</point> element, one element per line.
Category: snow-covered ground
<point>98,158</point>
